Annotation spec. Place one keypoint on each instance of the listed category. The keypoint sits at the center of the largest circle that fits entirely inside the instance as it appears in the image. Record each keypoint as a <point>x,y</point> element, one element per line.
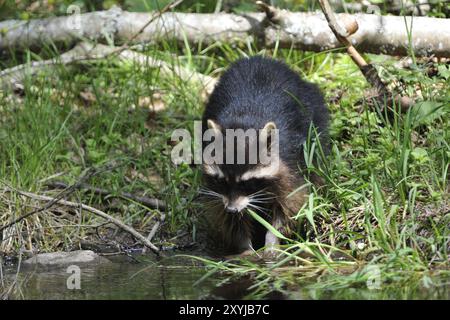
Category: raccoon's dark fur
<point>258,93</point>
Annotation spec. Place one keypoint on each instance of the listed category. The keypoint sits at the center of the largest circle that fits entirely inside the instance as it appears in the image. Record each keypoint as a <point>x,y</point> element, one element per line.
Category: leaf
<point>267,225</point>
<point>444,71</point>
<point>96,155</point>
<point>310,211</point>
<point>426,111</point>
<point>420,155</point>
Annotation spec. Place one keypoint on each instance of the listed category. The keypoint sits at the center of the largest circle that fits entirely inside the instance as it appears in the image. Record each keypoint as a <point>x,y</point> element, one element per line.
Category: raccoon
<point>265,95</point>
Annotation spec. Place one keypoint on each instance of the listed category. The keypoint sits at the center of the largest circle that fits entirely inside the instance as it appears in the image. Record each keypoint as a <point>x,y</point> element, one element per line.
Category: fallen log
<point>298,30</point>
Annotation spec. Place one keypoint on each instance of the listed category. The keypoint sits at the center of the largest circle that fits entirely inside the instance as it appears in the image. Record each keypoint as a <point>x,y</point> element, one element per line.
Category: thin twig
<point>336,28</point>
<point>95,211</point>
<point>64,193</point>
<point>154,230</point>
<point>151,203</point>
<point>368,70</point>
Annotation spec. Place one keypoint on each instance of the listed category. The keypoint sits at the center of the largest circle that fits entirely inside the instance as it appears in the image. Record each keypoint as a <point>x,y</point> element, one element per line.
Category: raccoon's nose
<point>232,210</point>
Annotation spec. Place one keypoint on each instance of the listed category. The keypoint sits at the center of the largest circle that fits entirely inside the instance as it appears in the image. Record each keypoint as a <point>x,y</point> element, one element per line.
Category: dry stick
<point>151,203</point>
<point>368,70</point>
<point>95,211</point>
<point>155,229</point>
<point>342,35</point>
<point>337,29</point>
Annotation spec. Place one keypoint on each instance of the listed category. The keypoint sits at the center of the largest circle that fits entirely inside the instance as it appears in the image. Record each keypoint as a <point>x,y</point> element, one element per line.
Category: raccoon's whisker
<point>254,205</point>
<point>260,202</point>
<point>210,193</point>
<point>257,192</point>
<point>262,191</point>
<point>259,208</point>
<point>206,191</point>
<point>259,198</point>
<point>263,198</point>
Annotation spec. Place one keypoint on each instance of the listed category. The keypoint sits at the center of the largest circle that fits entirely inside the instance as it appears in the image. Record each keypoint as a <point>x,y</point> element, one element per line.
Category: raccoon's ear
<point>266,132</point>
<point>266,135</point>
<point>213,125</point>
<point>269,127</point>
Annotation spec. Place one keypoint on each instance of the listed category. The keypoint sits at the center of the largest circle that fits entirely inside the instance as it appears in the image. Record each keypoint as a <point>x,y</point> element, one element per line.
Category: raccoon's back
<point>254,91</point>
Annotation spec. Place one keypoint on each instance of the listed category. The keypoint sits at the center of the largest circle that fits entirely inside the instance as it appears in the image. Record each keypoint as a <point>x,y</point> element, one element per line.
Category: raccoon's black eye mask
<point>215,180</point>
<point>257,184</point>
<point>253,184</point>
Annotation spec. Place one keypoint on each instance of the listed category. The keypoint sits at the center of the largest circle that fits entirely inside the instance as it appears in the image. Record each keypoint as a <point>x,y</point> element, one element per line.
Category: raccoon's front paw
<point>247,254</point>
<point>271,254</point>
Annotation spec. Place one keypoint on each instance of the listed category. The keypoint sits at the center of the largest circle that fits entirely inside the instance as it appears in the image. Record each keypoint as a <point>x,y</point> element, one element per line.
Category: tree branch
<point>151,203</point>
<point>368,70</point>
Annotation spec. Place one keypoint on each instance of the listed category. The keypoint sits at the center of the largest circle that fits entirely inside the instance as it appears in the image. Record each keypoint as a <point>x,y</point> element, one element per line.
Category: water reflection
<point>157,280</point>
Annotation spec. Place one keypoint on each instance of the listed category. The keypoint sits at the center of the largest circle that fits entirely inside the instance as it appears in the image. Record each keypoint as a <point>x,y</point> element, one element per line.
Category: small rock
<point>155,103</point>
<point>361,245</point>
<point>61,259</point>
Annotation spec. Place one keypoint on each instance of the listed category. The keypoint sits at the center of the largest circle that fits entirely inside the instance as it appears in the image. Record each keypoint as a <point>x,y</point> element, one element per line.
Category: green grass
<point>384,204</point>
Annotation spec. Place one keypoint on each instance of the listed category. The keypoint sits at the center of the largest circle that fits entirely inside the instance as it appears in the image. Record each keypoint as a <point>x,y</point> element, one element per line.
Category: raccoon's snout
<point>231,210</point>
<point>235,204</point>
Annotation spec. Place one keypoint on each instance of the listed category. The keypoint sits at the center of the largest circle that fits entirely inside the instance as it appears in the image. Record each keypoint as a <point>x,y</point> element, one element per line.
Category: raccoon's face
<point>238,190</point>
<point>239,186</point>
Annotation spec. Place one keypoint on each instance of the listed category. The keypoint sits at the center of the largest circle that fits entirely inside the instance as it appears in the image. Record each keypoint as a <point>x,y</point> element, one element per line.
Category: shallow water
<point>121,279</point>
<point>144,279</point>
